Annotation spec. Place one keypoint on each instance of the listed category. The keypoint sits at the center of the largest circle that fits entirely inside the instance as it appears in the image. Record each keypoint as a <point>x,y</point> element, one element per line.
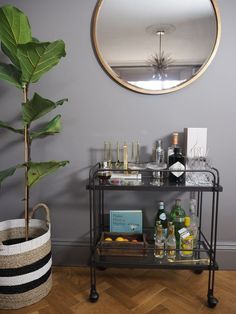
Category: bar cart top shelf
<point>144,183</point>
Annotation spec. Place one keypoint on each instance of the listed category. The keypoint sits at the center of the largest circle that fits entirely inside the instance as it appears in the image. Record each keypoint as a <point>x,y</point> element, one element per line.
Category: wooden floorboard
<point>135,291</point>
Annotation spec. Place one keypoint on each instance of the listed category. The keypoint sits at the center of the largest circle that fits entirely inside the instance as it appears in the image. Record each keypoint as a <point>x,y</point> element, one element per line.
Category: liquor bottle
<point>157,223</point>
<point>160,154</point>
<point>177,162</point>
<point>177,216</point>
<point>186,239</point>
<point>194,221</point>
<point>159,246</point>
<point>171,242</point>
<point>175,143</point>
<point>161,216</point>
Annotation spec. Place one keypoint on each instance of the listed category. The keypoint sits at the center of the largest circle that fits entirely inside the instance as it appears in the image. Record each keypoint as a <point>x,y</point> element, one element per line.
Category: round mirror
<point>156,46</point>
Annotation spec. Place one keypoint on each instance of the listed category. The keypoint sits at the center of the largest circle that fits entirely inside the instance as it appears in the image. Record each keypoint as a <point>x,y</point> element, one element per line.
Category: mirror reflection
<point>155,46</point>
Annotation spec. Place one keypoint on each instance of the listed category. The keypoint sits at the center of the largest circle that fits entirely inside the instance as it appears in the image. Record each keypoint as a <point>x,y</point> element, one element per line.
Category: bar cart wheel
<point>198,271</point>
<point>101,268</point>
<point>212,301</point>
<point>94,296</point>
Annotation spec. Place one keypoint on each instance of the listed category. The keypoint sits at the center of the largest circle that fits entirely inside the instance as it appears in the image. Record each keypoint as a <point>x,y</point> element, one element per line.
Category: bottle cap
<point>175,136</point>
<point>161,204</point>
<point>159,143</point>
<point>178,202</point>
<point>187,221</point>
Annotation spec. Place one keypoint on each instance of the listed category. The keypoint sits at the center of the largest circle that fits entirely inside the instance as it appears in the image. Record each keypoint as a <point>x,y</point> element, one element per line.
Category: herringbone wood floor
<point>126,291</point>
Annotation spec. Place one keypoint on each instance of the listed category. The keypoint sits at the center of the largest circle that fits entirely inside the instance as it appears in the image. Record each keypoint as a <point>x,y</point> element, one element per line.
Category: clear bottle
<point>159,246</point>
<point>186,239</point>
<point>157,223</point>
<point>162,217</point>
<point>194,221</point>
<point>177,216</point>
<point>160,154</point>
<point>175,143</point>
<point>177,162</point>
<point>171,242</point>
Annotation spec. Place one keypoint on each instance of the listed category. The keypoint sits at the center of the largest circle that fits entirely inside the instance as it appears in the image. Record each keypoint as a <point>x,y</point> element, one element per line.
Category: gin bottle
<point>177,162</point>
<point>159,246</point>
<point>171,242</point>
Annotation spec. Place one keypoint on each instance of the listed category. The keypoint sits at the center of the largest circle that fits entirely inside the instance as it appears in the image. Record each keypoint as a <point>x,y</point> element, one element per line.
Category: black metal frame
<point>96,201</point>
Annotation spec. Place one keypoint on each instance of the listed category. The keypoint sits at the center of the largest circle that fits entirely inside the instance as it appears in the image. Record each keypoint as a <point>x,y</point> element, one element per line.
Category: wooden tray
<point>122,248</point>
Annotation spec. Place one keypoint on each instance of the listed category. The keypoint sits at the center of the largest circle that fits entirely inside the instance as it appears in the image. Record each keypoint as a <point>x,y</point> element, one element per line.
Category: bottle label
<point>162,216</point>
<point>185,235</point>
<point>179,219</point>
<point>177,166</point>
<point>182,230</point>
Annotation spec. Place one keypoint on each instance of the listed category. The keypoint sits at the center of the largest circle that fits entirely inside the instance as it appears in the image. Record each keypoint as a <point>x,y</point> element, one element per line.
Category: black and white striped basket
<point>25,268</point>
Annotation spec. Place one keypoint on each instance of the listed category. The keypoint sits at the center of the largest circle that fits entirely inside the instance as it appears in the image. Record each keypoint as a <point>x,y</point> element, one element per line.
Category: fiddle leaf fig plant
<point>29,60</point>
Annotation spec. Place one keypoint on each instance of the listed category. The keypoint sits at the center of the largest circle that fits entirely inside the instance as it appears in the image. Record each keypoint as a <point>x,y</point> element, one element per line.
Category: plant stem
<point>27,158</point>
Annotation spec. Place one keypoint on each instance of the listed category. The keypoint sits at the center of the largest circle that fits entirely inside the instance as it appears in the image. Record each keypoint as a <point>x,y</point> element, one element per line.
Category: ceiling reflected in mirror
<point>155,46</point>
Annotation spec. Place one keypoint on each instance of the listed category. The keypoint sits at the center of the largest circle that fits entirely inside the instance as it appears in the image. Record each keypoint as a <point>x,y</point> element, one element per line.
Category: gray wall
<point>208,102</point>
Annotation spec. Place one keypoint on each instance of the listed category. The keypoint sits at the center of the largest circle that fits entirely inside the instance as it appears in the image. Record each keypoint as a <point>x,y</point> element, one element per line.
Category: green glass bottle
<point>162,217</point>
<point>177,216</point>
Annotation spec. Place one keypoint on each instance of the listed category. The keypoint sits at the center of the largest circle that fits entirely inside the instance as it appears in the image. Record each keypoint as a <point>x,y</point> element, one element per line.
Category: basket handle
<point>45,207</point>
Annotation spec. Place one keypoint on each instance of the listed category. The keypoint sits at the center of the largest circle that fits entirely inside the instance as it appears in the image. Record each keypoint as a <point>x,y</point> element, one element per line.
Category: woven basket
<point>25,267</point>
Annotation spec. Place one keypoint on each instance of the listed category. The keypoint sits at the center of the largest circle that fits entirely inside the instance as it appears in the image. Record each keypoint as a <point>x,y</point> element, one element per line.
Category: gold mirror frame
<point>124,83</point>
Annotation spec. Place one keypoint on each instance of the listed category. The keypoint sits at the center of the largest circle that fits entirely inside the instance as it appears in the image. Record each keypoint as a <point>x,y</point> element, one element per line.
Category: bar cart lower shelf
<point>204,255</point>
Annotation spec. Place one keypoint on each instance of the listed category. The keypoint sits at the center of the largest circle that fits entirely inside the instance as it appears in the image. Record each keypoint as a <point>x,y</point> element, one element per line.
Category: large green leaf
<point>54,126</point>
<point>38,107</point>
<point>7,173</point>
<point>7,126</point>
<point>10,73</point>
<point>38,58</point>
<point>38,170</point>
<point>14,30</point>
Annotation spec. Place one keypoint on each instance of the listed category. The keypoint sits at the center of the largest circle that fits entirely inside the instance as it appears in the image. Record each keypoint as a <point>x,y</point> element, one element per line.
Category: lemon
<point>119,239</point>
<point>108,239</point>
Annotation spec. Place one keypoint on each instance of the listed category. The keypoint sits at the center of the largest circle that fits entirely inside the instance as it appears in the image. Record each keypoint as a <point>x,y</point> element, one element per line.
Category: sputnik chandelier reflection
<point>160,61</point>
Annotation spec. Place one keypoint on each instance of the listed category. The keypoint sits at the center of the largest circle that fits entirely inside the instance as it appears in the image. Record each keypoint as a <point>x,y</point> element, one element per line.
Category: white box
<point>195,142</point>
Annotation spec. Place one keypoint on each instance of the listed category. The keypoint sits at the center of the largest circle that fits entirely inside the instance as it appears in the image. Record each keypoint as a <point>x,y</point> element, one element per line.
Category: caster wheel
<point>101,268</point>
<point>94,296</point>
<point>212,301</point>
<point>198,271</point>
